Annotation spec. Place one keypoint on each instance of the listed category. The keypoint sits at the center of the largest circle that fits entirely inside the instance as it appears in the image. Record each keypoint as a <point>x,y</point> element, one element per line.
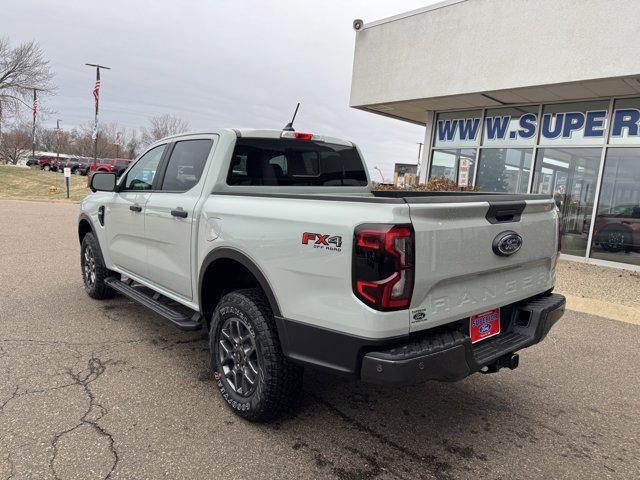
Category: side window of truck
<point>185,165</point>
<point>141,175</point>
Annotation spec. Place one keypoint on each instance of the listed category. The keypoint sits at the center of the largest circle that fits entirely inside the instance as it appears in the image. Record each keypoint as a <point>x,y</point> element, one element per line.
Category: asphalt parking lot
<point>94,390</point>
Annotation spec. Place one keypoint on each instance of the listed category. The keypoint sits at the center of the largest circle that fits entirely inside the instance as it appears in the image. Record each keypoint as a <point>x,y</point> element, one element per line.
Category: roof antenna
<point>289,126</point>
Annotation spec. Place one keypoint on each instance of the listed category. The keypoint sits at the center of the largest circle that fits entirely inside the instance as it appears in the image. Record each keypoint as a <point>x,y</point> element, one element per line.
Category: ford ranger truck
<point>274,242</point>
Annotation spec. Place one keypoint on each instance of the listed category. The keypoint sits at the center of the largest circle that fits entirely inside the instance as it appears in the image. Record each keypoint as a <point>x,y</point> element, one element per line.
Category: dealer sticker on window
<point>484,325</point>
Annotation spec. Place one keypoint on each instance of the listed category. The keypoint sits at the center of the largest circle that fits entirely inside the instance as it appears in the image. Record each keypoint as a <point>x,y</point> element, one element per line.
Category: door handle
<point>135,208</point>
<point>179,213</point>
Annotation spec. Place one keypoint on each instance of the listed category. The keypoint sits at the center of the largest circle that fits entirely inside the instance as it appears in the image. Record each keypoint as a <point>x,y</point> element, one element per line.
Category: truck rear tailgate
<point>458,273</point>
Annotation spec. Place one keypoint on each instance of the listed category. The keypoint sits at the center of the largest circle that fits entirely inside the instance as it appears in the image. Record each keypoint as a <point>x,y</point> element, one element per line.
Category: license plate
<point>484,325</point>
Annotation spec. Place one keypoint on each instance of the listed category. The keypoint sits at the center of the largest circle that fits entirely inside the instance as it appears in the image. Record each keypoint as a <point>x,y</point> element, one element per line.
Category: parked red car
<point>117,165</point>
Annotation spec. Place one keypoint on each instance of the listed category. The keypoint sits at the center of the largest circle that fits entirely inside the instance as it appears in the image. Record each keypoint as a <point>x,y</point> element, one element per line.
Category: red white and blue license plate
<point>484,325</point>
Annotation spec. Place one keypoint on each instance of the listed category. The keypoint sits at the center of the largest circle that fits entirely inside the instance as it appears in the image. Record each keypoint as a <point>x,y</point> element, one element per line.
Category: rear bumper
<point>449,355</point>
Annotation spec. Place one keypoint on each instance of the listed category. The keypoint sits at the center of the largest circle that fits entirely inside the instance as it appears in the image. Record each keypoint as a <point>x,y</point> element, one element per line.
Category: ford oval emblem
<point>419,316</point>
<point>507,243</point>
<point>485,328</point>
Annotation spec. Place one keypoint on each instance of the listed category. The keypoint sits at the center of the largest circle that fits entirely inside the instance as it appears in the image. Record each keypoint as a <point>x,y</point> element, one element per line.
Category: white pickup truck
<point>275,243</point>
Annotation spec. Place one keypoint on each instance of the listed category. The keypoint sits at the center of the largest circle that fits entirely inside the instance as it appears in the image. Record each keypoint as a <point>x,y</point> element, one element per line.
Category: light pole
<point>35,115</point>
<point>96,96</point>
<point>58,141</point>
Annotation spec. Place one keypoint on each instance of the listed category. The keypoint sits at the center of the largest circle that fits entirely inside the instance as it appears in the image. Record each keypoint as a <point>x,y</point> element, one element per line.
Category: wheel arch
<point>226,257</point>
<point>85,225</point>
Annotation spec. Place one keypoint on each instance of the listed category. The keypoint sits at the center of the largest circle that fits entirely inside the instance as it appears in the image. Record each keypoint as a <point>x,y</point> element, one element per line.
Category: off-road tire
<point>278,381</point>
<point>94,284</point>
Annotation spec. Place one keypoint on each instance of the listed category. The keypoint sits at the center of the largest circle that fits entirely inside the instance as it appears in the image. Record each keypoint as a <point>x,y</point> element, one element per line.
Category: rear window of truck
<point>293,162</point>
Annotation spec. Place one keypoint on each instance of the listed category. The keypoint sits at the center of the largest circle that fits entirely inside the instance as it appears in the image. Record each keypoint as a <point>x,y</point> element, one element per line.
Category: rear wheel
<point>46,168</point>
<point>250,371</point>
<point>615,239</point>
<point>94,271</point>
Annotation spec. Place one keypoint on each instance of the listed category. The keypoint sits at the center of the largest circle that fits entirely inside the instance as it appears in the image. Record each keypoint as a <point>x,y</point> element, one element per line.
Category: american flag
<point>96,88</point>
<point>117,140</point>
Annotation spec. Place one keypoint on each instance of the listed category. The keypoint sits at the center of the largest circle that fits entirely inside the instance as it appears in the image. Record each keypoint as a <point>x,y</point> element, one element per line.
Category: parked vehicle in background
<point>274,242</point>
<point>116,165</point>
<point>47,164</point>
<point>78,165</point>
<point>619,230</point>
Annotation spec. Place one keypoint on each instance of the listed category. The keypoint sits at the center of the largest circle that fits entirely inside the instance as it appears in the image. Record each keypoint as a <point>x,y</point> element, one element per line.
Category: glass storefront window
<point>570,175</point>
<point>616,233</point>
<point>446,163</point>
<point>580,123</point>
<point>458,129</point>
<point>504,170</point>
<point>625,126</point>
<point>513,126</point>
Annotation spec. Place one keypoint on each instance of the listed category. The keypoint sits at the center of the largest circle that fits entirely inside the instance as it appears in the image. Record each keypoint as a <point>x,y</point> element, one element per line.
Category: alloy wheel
<point>89,266</point>
<point>238,356</point>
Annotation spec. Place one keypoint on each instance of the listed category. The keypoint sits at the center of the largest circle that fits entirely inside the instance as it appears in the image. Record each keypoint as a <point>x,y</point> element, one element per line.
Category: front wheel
<point>94,271</point>
<point>250,371</point>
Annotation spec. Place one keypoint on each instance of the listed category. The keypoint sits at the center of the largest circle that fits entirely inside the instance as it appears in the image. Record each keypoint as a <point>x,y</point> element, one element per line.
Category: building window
<point>579,123</point>
<point>504,170</point>
<point>449,163</point>
<point>570,175</point>
<point>458,129</point>
<point>510,127</point>
<point>616,232</point>
<point>625,127</point>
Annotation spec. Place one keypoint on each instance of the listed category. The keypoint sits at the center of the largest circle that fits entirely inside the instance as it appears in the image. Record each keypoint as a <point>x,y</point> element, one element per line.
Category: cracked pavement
<point>107,389</point>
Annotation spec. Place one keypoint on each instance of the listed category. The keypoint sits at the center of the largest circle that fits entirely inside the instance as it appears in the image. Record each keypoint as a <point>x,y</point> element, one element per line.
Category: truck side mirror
<point>103,182</point>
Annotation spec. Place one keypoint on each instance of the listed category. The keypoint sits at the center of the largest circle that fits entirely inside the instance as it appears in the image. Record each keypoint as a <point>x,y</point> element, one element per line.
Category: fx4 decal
<point>325,242</point>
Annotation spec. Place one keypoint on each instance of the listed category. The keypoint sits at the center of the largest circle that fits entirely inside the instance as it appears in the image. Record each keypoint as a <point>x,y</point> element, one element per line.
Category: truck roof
<point>260,133</point>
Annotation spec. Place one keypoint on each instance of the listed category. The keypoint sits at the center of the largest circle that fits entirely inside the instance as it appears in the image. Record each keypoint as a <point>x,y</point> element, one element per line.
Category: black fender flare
<point>245,261</point>
<point>84,216</point>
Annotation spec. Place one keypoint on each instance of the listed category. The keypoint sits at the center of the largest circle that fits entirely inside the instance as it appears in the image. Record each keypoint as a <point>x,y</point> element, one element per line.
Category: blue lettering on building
<point>565,125</point>
<point>594,123</point>
<point>468,128</point>
<point>626,119</point>
<point>497,127</point>
<point>547,132</point>
<point>528,125</point>
<point>447,130</point>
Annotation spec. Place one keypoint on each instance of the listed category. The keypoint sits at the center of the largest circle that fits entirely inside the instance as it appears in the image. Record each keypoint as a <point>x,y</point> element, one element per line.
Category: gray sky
<point>224,63</point>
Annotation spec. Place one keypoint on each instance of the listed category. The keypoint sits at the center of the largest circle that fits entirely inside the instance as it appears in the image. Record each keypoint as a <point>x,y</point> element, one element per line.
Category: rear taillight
<point>383,265</point>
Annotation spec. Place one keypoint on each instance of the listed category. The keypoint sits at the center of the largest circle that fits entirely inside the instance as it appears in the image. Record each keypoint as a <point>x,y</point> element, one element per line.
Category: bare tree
<point>16,144</point>
<point>162,126</point>
<point>22,68</point>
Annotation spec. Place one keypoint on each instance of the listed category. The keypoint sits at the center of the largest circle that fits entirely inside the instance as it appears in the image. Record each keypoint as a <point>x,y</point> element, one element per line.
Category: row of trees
<point>113,141</point>
<point>23,68</point>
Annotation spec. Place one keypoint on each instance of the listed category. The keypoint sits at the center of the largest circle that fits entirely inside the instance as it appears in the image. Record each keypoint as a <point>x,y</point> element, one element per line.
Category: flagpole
<point>33,132</point>
<point>96,91</point>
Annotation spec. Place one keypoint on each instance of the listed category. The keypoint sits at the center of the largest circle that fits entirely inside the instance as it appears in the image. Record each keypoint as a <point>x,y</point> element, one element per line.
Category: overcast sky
<point>224,63</point>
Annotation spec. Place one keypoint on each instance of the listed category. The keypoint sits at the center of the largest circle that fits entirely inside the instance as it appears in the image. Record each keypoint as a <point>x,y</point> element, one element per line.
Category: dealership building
<point>521,97</point>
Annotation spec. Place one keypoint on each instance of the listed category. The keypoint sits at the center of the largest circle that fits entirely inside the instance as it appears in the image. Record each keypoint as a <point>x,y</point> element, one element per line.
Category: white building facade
<point>522,96</point>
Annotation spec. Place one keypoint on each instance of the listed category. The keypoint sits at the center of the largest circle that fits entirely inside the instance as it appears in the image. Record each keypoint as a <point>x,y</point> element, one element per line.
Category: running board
<point>179,319</point>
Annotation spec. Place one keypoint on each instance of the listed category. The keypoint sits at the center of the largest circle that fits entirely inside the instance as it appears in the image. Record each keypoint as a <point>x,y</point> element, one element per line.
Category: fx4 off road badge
<point>323,242</point>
